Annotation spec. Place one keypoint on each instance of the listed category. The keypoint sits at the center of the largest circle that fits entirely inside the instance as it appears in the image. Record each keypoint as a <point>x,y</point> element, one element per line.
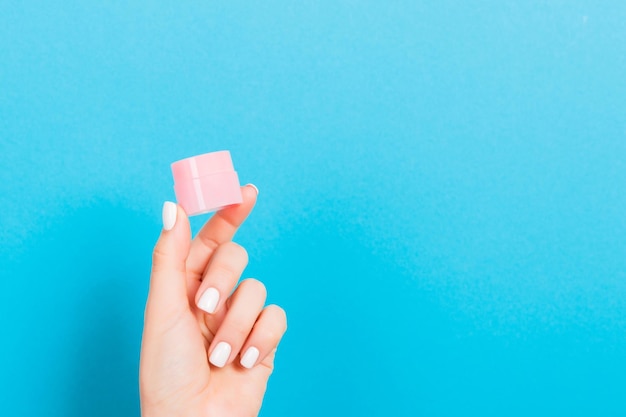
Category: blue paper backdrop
<point>441,210</point>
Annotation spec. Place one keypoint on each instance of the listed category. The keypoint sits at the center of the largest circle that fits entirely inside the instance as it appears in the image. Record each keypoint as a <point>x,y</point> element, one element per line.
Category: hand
<point>204,351</point>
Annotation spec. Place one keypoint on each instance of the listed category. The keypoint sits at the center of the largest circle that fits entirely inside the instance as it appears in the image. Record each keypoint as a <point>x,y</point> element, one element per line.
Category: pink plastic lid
<point>206,182</point>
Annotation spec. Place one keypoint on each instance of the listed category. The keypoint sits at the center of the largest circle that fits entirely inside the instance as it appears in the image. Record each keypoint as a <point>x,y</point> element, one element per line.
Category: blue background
<point>441,210</point>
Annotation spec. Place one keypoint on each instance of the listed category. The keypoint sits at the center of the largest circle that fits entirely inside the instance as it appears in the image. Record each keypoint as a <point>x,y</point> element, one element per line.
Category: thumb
<point>168,288</point>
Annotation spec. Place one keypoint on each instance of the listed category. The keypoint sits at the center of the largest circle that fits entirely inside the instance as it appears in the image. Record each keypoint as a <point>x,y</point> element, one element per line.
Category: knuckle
<point>239,329</point>
<point>210,243</point>
<point>162,261</point>
<point>237,249</point>
<point>255,286</point>
<point>271,335</point>
<point>277,311</point>
<point>223,273</point>
<point>230,257</point>
<point>278,316</point>
<point>158,254</point>
<point>243,253</point>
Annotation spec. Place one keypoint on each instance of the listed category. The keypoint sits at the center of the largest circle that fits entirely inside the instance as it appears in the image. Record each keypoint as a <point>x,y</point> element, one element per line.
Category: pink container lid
<point>206,182</point>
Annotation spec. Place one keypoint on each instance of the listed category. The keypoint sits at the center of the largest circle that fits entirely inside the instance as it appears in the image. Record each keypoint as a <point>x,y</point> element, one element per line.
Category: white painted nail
<point>255,188</point>
<point>169,215</point>
<point>249,358</point>
<point>208,301</point>
<point>220,354</point>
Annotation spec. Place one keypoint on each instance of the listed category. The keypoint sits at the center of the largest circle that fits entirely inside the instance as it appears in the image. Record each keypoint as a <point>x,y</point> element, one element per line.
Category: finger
<point>246,304</point>
<point>264,338</point>
<point>168,291</point>
<point>221,276</point>
<point>219,229</point>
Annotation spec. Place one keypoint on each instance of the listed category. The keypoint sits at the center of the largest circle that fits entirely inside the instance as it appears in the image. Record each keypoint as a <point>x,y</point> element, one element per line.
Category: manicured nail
<point>208,301</point>
<point>249,358</point>
<point>255,188</point>
<point>169,215</point>
<point>220,354</point>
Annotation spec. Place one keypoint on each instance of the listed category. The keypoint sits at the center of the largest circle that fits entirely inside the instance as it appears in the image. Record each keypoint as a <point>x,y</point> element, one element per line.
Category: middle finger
<point>221,276</point>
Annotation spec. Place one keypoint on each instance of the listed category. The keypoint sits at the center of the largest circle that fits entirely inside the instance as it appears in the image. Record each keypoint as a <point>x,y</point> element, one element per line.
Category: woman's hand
<point>208,344</point>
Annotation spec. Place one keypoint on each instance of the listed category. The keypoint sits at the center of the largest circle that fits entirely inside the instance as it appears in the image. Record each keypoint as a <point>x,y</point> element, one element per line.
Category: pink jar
<point>206,182</point>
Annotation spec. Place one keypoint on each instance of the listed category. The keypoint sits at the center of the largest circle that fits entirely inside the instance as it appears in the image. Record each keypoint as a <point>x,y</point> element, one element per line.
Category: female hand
<point>206,350</point>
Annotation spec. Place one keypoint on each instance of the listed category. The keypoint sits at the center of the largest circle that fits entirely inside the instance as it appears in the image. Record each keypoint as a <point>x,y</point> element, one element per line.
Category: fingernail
<point>169,215</point>
<point>249,358</point>
<point>220,354</point>
<point>255,188</point>
<point>208,301</point>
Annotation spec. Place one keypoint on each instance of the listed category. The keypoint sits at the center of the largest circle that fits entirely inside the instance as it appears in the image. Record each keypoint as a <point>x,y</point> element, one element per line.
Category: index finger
<point>219,229</point>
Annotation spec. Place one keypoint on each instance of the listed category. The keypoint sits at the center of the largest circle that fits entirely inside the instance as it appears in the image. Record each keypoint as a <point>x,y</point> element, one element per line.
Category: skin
<point>176,377</point>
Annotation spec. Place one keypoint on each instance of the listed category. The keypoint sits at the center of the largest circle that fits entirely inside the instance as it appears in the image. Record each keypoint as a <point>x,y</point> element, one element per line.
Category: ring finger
<point>244,308</point>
